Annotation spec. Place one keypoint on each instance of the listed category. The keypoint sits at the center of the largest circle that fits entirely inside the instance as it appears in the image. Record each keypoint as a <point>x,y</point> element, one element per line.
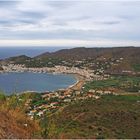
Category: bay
<point>19,82</point>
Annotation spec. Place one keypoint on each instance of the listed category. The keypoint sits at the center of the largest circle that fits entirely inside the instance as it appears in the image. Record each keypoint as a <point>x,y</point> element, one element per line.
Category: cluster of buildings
<point>102,92</point>
<point>52,101</point>
<point>86,73</point>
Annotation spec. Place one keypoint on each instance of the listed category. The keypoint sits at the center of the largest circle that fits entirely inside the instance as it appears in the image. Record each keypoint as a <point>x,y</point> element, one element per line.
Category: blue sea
<point>19,82</point>
<point>40,82</point>
<point>6,52</point>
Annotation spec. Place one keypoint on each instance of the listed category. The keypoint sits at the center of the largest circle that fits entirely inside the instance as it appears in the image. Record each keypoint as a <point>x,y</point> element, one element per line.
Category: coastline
<point>80,75</point>
<point>75,86</point>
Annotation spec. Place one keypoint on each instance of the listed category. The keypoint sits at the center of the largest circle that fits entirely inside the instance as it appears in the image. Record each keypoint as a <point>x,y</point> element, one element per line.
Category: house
<point>107,92</point>
<point>67,100</point>
<point>99,91</point>
<point>54,104</point>
<point>40,113</point>
<point>90,95</point>
<point>92,90</point>
<point>31,113</point>
<point>77,92</point>
<point>96,97</point>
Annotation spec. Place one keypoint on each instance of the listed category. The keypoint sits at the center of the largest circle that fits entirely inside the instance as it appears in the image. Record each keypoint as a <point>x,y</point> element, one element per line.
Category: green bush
<point>2,96</point>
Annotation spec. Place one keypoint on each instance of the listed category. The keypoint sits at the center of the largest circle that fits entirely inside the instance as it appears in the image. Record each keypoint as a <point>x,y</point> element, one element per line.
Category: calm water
<point>6,52</point>
<point>11,82</point>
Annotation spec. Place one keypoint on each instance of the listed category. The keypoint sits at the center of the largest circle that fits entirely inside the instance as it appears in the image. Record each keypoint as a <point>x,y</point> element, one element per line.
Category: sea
<point>26,81</point>
<point>40,82</point>
<point>6,52</point>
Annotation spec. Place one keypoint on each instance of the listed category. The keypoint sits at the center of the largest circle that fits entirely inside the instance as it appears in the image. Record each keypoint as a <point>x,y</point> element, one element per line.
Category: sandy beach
<point>78,85</point>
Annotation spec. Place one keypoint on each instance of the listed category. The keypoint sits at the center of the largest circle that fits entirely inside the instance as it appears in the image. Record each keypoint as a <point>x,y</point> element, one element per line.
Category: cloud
<point>69,43</point>
<point>70,20</point>
<point>7,4</point>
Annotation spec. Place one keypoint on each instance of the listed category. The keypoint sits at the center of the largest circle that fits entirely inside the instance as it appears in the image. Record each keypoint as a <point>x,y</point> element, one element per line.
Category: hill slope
<point>82,53</point>
<point>130,57</point>
<point>108,117</point>
<point>14,125</point>
<point>113,60</point>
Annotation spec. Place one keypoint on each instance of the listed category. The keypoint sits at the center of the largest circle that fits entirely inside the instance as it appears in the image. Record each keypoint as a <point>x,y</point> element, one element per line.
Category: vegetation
<point>111,116</point>
<point>136,67</point>
<point>2,97</point>
<point>108,117</point>
<point>14,122</point>
<point>112,60</point>
<point>129,84</point>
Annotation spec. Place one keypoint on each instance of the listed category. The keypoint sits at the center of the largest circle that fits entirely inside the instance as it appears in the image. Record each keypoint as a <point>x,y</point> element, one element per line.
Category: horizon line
<point>68,43</point>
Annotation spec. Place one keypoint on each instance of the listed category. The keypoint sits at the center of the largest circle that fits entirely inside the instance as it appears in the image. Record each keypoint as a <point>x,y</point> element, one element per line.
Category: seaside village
<point>52,101</point>
<point>57,100</point>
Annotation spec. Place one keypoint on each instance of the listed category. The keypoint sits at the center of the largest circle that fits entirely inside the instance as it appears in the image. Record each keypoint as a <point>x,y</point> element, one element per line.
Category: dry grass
<point>14,124</point>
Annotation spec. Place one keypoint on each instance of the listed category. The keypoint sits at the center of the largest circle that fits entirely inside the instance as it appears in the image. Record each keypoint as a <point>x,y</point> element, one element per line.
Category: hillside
<point>108,117</point>
<point>111,60</point>
<point>14,123</point>
<point>82,53</point>
<point>16,59</point>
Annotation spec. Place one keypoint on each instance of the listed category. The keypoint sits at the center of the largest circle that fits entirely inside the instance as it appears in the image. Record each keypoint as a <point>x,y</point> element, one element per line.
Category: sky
<point>88,23</point>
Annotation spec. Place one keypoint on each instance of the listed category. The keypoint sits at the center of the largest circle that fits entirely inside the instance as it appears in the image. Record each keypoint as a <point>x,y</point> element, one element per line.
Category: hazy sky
<point>70,23</point>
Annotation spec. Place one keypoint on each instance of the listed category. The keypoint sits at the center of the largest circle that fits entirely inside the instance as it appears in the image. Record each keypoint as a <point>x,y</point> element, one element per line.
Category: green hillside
<point>108,117</point>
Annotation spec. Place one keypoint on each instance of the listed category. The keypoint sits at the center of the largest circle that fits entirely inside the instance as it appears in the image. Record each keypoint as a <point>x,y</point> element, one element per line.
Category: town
<point>83,89</point>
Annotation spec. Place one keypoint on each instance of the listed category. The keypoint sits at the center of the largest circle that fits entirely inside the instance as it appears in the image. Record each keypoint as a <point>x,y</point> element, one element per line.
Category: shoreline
<point>79,79</point>
<point>78,85</point>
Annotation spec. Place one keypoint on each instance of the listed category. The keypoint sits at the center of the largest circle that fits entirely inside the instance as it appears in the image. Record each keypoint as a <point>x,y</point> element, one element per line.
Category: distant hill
<point>130,55</point>
<point>82,53</point>
<point>130,58</point>
<point>16,59</point>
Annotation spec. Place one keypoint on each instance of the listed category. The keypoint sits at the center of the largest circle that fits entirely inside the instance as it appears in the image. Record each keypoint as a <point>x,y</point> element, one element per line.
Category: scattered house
<point>96,97</point>
<point>25,124</point>
<point>92,90</point>
<point>61,97</point>
<point>90,95</point>
<point>77,92</point>
<point>20,99</point>
<point>54,104</point>
<point>68,95</point>
<point>107,92</point>
<point>40,113</point>
<point>67,100</point>
<point>31,113</point>
<point>40,106</point>
<point>45,95</point>
<point>99,91</point>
